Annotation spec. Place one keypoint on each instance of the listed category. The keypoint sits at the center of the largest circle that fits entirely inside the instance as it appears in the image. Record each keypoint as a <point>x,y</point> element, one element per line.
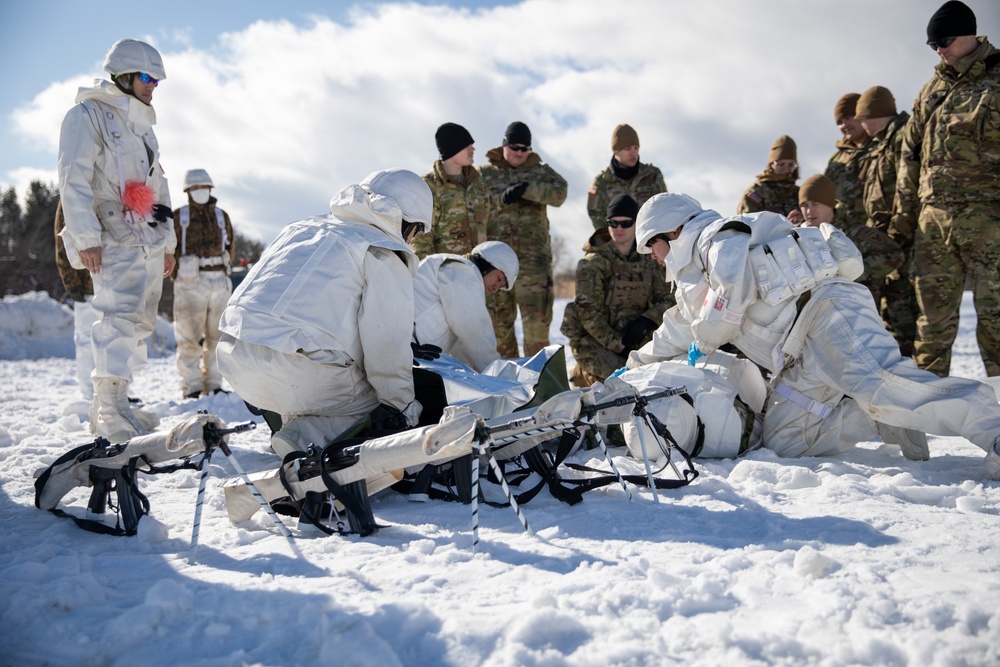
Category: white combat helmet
<point>661,214</point>
<point>193,177</point>
<point>410,192</point>
<point>502,257</point>
<point>131,55</point>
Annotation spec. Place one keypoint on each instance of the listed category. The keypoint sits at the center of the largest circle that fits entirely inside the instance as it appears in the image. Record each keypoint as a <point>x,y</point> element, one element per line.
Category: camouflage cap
<point>845,107</point>
<point>876,102</point>
<point>818,188</point>
<point>623,137</point>
<point>783,148</point>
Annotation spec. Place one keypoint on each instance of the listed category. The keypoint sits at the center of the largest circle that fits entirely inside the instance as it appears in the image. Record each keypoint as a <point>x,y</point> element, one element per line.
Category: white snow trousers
<point>198,305</point>
<point>317,401</point>
<point>126,295</point>
<point>84,317</point>
<point>850,363</point>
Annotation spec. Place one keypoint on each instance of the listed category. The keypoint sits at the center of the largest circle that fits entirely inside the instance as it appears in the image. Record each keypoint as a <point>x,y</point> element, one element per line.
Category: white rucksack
<point>718,417</point>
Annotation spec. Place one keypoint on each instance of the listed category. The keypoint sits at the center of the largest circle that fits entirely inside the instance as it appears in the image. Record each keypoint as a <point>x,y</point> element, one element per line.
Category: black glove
<point>636,331</point>
<point>161,212</point>
<point>425,352</point>
<point>513,193</point>
<point>387,418</point>
<point>76,293</point>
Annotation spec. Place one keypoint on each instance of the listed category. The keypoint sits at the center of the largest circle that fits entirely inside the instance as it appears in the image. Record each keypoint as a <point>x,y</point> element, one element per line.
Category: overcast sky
<point>285,103</point>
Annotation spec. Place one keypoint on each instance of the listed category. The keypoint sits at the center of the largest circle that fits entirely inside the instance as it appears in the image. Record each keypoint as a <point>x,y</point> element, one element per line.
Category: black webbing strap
<point>303,505</point>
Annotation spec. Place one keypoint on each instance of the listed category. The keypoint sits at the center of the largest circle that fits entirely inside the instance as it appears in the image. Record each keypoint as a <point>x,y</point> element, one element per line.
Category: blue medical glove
<point>618,372</point>
<point>694,354</point>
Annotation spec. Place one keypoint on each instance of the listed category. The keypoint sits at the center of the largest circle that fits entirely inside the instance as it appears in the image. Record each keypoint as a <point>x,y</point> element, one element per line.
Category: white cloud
<point>283,116</point>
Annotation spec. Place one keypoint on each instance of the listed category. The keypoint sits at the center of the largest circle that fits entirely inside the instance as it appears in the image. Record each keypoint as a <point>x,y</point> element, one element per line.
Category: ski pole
<point>645,460</point>
<point>193,550</point>
<point>510,496</point>
<point>215,436</point>
<point>607,456</point>
<point>475,496</point>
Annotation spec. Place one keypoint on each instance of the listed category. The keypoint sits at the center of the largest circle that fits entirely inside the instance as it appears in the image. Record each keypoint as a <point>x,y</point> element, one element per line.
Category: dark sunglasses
<point>943,43</point>
<point>519,149</point>
<point>658,237</point>
<point>624,224</point>
<point>145,78</point>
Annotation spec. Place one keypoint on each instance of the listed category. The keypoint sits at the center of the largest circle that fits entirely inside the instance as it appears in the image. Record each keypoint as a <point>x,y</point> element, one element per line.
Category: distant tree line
<point>27,245</point>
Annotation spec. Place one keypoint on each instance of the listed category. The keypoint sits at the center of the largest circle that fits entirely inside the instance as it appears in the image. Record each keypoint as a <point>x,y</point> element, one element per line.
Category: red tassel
<point>139,198</point>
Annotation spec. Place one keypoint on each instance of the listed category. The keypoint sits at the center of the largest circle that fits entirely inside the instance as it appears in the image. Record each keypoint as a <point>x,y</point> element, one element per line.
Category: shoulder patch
<point>592,190</point>
<point>756,197</point>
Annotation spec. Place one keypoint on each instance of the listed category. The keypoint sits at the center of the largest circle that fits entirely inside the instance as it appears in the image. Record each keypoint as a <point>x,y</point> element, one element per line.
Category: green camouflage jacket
<point>612,290</point>
<point>879,173</point>
<point>523,225</point>
<point>777,193</point>
<point>203,237</point>
<point>843,169</point>
<point>76,281</point>
<point>951,146</point>
<point>648,181</point>
<point>461,211</point>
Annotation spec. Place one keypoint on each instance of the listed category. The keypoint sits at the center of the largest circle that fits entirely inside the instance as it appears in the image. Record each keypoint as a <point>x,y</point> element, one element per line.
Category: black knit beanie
<point>953,19</point>
<point>623,206</point>
<point>517,134</point>
<point>452,138</point>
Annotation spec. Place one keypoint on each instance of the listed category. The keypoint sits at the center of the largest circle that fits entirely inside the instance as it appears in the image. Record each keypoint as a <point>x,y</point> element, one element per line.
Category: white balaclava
<point>200,196</point>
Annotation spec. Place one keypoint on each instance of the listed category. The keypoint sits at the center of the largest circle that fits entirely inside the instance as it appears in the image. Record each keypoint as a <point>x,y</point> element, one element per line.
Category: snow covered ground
<point>868,559</point>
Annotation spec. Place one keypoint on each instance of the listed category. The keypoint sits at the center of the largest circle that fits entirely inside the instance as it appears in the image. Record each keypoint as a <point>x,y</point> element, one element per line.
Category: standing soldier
<point>948,198</point>
<point>525,186</point>
<point>461,201</point>
<point>882,255</point>
<point>620,297</point>
<point>775,189</point>
<point>118,222</point>
<point>205,251</point>
<point>625,175</point>
<point>846,164</point>
<point>876,111</point>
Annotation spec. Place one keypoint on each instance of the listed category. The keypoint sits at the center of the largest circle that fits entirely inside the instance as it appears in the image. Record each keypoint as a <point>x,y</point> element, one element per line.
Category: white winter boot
<point>913,443</point>
<point>111,416</point>
<point>146,420</point>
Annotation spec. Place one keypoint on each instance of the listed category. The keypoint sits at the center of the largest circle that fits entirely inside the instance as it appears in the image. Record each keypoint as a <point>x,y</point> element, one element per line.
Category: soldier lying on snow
<point>787,300</point>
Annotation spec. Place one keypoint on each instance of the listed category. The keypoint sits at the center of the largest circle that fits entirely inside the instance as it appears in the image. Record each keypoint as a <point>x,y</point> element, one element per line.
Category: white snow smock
<point>451,310</point>
<point>836,370</point>
<point>92,167</point>
<point>322,323</point>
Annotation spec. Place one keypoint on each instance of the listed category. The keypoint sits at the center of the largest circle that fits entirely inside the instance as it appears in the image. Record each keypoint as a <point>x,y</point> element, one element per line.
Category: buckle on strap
<point>810,405</point>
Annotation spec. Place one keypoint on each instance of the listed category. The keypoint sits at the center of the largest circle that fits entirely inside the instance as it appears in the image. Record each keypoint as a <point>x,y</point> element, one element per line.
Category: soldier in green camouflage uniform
<point>948,192</point>
<point>80,288</point>
<point>620,298</point>
<point>625,175</point>
<point>524,186</point>
<point>882,255</point>
<point>775,189</point>
<point>462,204</point>
<point>845,165</point>
<point>895,298</point>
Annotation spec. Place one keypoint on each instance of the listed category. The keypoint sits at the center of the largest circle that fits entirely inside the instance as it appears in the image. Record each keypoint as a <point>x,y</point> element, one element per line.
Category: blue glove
<point>618,372</point>
<point>694,354</point>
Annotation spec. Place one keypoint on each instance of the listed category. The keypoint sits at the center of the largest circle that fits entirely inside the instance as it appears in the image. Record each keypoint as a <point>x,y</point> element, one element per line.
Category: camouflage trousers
<point>533,295</point>
<point>951,244</point>
<point>594,362</point>
<point>896,300</point>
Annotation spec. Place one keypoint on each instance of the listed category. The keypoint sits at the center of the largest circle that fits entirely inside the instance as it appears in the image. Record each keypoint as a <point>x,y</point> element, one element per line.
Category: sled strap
<point>810,405</point>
